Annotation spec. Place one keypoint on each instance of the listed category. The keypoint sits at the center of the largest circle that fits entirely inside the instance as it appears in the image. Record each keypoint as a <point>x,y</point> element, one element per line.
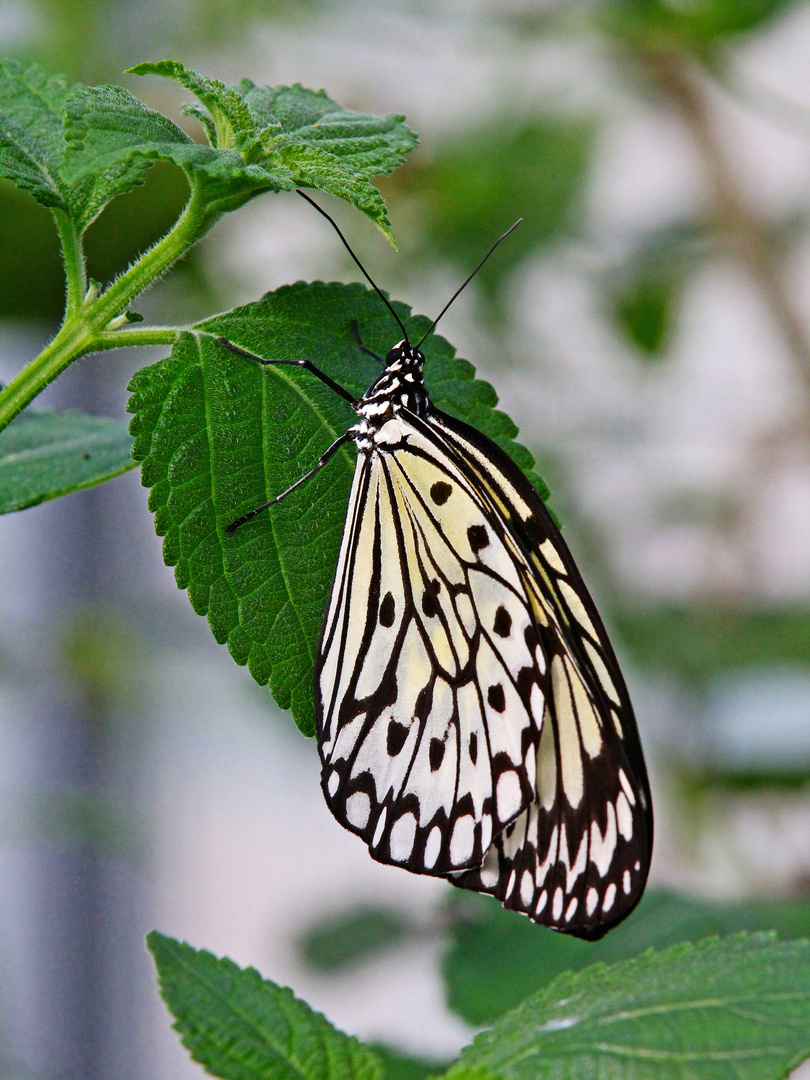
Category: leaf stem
<point>73,257</point>
<point>87,316</point>
<point>140,335</point>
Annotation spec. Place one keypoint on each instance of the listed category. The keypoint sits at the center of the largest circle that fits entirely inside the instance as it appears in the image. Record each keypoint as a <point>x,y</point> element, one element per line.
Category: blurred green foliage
<point>645,311</point>
<point>482,180</point>
<point>695,643</point>
<point>399,1066</point>
<point>133,222</point>
<point>497,957</point>
<point>350,937</point>
<point>689,25</point>
<point>32,281</point>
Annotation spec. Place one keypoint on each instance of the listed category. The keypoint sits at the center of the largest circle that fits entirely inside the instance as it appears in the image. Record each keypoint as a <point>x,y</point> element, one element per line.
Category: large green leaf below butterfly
<point>217,435</point>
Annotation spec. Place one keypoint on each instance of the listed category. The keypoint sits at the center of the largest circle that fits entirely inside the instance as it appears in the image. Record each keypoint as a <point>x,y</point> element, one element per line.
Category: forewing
<point>427,677</point>
<point>577,859</point>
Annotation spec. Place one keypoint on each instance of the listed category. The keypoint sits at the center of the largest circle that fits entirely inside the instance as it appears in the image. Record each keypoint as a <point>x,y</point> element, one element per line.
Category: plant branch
<point>749,236</point>
<point>73,340</point>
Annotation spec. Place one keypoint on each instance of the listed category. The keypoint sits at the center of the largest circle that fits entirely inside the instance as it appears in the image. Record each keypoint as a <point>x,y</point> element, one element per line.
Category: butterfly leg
<point>322,460</point>
<point>338,389</point>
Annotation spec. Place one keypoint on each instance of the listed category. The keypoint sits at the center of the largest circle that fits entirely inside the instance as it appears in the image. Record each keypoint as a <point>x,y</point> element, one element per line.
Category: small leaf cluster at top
<point>75,148</point>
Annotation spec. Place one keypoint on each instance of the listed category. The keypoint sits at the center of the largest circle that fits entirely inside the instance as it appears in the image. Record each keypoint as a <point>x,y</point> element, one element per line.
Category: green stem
<point>140,335</point>
<point>73,256</point>
<point>73,340</point>
<point>196,219</point>
<point>85,328</point>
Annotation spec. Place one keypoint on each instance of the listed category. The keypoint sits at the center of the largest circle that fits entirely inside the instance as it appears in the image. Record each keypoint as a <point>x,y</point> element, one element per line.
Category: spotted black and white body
<point>471,717</point>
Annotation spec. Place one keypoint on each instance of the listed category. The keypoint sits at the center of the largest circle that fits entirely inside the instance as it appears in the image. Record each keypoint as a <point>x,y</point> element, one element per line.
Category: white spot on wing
<point>603,847</point>
<point>601,672</point>
<point>403,833</point>
<point>432,847</point>
<point>624,816</point>
<point>333,782</point>
<point>526,888</point>
<point>576,607</point>
<point>570,911</point>
<point>549,553</point>
<point>572,778</point>
<point>462,840</point>
<point>627,789</point>
<point>591,900</point>
<point>557,904</point>
<point>610,896</point>
<point>358,808</point>
<point>626,882</point>
<point>508,795</point>
<point>488,873</point>
<point>378,832</point>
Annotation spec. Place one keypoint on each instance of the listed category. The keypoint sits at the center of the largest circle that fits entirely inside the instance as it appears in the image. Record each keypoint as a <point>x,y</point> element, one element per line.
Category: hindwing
<point>577,859</point>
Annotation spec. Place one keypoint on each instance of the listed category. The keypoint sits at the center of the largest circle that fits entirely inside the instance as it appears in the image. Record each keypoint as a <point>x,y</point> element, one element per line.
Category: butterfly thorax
<point>400,386</point>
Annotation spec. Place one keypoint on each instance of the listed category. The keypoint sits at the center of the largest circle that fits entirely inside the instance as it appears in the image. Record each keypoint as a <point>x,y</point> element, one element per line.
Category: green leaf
<point>351,937</point>
<point>737,1009</point>
<point>31,139</point>
<point>497,958</point>
<point>275,139</point>
<point>239,1026</point>
<point>111,139</point>
<point>47,454</point>
<point>37,111</point>
<point>231,123</point>
<point>218,435</point>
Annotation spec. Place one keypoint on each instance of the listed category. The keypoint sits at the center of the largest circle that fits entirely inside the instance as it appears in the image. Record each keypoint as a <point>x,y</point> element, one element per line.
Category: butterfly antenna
<point>464,284</point>
<point>363,270</point>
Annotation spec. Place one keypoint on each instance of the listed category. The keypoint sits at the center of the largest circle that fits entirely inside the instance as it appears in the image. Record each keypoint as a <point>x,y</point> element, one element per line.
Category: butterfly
<point>472,720</point>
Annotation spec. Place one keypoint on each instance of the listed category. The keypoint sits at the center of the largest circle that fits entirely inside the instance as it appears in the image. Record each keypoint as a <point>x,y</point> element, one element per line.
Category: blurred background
<point>648,329</point>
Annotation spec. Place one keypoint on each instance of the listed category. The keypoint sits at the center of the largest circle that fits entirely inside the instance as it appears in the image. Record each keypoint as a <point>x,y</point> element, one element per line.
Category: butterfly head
<point>400,386</point>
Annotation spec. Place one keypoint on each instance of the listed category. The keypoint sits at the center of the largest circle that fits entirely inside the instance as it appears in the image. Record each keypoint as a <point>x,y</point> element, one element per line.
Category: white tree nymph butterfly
<point>471,717</point>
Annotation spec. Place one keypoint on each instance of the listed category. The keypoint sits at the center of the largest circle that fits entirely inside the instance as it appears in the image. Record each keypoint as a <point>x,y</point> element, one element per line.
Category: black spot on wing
<point>496,698</point>
<point>388,610</point>
<point>503,622</point>
<point>473,747</point>
<point>397,736</point>
<point>429,603</point>
<point>478,537</point>
<point>440,492</point>
<point>436,753</point>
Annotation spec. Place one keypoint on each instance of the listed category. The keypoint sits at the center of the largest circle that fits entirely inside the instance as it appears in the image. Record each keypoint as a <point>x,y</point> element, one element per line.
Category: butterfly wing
<point>428,674</point>
<point>577,858</point>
